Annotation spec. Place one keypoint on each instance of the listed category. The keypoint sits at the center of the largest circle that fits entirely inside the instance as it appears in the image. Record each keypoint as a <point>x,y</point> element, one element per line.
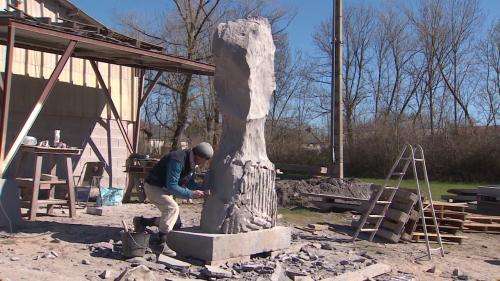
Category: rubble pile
<point>289,191</point>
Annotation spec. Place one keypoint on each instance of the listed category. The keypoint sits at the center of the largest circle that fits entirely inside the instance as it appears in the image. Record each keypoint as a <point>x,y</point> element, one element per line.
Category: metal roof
<point>94,43</point>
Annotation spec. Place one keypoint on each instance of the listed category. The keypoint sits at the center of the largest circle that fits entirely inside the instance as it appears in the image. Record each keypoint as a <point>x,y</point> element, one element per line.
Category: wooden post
<point>49,86</point>
<point>111,104</point>
<point>7,85</point>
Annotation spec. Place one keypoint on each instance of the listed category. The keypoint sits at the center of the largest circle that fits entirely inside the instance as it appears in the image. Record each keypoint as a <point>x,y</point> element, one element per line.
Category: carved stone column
<point>241,176</point>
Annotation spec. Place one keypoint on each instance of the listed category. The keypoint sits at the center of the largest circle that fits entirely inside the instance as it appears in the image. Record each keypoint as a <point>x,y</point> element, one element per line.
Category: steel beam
<point>151,85</point>
<point>137,124</point>
<point>111,104</point>
<point>7,85</point>
<point>47,89</point>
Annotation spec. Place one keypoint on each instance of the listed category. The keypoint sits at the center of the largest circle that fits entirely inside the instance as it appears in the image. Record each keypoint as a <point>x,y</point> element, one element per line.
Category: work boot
<point>140,223</point>
<point>160,246</point>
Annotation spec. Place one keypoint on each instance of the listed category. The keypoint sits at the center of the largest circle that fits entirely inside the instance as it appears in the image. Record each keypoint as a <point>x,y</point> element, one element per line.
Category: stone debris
<point>102,245</point>
<point>106,274</point>
<point>50,255</point>
<point>345,262</point>
<point>362,274</point>
<point>246,267</point>
<point>303,278</point>
<point>172,263</point>
<point>432,269</point>
<point>86,262</point>
<point>136,261</point>
<point>459,274</point>
<point>326,246</point>
<point>317,226</point>
<point>139,273</point>
<point>96,211</point>
<point>279,274</point>
<point>215,272</point>
<point>14,258</point>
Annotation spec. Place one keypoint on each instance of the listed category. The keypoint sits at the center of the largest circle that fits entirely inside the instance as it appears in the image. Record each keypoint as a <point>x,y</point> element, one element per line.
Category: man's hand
<point>198,194</point>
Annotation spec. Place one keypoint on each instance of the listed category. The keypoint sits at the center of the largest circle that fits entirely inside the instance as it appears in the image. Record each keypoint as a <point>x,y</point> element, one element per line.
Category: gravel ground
<point>59,248</point>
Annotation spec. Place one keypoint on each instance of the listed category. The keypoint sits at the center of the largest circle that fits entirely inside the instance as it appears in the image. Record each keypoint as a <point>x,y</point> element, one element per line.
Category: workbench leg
<point>36,187</point>
<point>71,187</point>
<point>130,186</point>
<point>52,191</point>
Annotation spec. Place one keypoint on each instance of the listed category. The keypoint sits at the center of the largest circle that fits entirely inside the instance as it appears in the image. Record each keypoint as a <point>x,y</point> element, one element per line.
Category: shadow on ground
<point>72,233</point>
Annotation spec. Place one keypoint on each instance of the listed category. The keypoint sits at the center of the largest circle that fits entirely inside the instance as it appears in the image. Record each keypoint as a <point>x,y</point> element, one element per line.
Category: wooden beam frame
<point>6,88</point>
<point>111,104</point>
<point>49,86</point>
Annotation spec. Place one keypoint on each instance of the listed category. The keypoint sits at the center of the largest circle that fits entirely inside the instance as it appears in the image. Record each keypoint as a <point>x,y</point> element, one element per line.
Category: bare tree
<point>489,75</point>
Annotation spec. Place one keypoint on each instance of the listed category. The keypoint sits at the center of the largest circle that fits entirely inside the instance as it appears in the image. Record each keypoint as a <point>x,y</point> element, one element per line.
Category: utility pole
<point>337,105</point>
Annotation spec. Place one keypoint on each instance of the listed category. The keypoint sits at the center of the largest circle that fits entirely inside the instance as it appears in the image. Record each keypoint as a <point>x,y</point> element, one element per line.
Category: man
<point>172,176</point>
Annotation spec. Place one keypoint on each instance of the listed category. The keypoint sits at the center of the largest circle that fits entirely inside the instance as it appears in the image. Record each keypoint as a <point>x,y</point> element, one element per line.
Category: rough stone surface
<point>216,272</point>
<point>140,273</point>
<point>241,176</point>
<point>106,274</point>
<point>218,247</point>
<point>173,263</point>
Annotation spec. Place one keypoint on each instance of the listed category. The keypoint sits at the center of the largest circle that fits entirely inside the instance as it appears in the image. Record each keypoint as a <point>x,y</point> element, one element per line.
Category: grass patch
<point>303,216</point>
<point>438,188</point>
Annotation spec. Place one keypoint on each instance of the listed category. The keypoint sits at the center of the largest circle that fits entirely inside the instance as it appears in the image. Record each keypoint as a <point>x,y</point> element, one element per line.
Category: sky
<point>310,13</point>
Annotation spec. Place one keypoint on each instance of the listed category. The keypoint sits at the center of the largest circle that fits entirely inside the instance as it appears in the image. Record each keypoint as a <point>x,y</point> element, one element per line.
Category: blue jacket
<point>174,172</point>
<point>173,178</point>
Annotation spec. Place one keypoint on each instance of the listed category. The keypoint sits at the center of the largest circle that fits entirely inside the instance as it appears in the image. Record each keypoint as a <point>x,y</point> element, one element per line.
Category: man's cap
<point>204,150</point>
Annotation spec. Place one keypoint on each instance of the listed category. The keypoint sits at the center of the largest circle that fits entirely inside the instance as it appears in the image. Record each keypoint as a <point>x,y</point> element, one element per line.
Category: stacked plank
<point>481,223</point>
<point>450,218</point>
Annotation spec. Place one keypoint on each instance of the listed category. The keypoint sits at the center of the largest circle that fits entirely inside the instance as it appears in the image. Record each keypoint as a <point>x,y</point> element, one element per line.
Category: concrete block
<point>215,248</point>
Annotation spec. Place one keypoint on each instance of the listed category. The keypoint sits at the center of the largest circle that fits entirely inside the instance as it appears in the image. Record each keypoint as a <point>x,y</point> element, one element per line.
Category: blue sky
<point>309,14</point>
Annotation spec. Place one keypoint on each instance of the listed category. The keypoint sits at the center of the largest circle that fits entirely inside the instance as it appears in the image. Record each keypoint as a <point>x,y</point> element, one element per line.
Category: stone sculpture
<point>241,176</point>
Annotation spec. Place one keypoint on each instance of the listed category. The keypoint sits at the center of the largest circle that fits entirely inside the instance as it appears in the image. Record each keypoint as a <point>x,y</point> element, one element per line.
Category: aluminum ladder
<point>405,158</point>
<point>417,154</point>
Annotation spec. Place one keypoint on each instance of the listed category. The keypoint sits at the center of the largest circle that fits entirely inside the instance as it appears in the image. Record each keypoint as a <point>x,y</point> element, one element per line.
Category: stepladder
<point>376,208</point>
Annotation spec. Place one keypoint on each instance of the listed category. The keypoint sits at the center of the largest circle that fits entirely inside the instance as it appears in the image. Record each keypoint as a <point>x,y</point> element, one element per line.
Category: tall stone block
<point>241,176</point>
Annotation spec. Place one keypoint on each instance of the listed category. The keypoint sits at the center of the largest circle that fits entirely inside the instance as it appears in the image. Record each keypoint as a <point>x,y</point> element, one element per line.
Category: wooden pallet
<point>447,214</point>
<point>482,227</point>
<point>446,221</point>
<point>441,206</point>
<point>483,219</point>
<point>442,228</point>
<point>446,238</point>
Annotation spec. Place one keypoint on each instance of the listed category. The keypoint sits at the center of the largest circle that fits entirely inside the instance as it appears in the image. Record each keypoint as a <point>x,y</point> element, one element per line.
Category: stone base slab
<point>219,248</point>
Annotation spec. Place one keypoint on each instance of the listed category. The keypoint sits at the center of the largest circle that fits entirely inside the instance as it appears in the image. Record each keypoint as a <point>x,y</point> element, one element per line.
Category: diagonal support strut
<point>111,104</point>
